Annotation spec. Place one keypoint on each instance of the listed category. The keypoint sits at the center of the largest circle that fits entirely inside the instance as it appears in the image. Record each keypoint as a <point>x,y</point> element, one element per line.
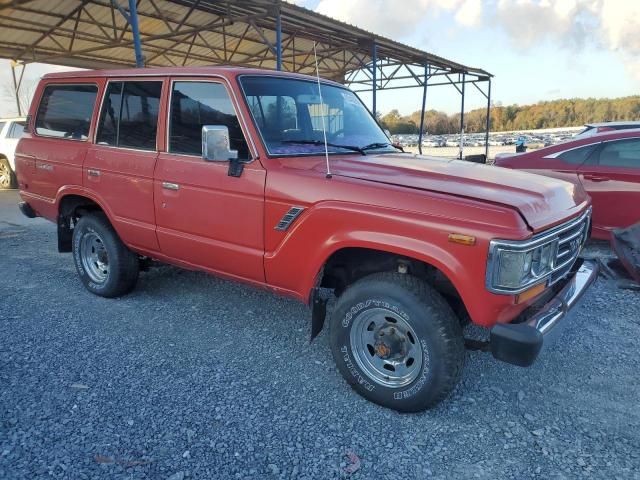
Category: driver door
<point>206,218</point>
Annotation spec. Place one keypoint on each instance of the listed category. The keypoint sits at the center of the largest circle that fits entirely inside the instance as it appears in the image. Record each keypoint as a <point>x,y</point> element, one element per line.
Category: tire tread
<point>125,266</point>
<point>448,326</point>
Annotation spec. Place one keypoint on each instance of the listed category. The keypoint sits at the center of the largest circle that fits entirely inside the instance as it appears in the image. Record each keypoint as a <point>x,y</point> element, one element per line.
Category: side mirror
<point>215,144</point>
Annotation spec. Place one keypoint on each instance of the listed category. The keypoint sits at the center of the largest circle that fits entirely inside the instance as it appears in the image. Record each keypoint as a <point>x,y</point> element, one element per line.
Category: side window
<point>194,104</point>
<point>16,130</point>
<point>578,156</point>
<point>129,116</point>
<point>2,124</point>
<point>622,153</point>
<point>110,115</point>
<point>65,111</point>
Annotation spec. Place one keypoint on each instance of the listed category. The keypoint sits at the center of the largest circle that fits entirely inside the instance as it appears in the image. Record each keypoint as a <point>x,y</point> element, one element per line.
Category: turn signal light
<point>531,293</point>
<point>462,239</point>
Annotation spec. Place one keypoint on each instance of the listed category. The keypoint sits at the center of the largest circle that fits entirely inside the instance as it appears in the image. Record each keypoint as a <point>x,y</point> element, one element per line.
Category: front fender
<point>331,226</point>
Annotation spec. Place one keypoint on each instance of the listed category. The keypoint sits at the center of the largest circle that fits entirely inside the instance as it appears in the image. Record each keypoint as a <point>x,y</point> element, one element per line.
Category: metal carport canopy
<point>268,34</point>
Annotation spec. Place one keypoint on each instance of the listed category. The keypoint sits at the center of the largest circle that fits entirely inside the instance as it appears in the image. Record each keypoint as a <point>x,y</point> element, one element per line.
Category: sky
<point>537,49</point>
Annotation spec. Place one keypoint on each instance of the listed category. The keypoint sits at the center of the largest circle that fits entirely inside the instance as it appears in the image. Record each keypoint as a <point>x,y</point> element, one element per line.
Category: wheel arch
<point>346,264</point>
<point>71,206</point>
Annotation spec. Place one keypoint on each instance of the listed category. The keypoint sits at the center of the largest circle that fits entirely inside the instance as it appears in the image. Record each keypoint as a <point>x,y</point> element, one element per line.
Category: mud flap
<point>626,244</point>
<point>318,302</point>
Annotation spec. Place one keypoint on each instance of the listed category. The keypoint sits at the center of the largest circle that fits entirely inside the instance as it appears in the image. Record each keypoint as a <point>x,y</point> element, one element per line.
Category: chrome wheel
<point>5,175</point>
<point>386,348</point>
<point>95,260</point>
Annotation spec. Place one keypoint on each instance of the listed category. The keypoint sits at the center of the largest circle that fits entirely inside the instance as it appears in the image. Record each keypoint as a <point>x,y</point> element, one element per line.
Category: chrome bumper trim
<point>558,307</point>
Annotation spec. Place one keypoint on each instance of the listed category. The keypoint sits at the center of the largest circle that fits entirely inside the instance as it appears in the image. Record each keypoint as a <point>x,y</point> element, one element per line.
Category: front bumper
<point>520,343</point>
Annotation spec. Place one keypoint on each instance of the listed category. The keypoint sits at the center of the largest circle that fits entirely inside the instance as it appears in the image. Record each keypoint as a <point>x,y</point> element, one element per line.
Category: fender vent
<point>288,218</point>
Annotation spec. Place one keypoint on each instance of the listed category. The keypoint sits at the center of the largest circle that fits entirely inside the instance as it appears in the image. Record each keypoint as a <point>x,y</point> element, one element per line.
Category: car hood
<point>542,201</point>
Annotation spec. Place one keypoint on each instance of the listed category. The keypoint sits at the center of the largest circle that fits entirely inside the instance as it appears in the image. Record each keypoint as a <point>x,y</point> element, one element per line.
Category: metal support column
<point>374,73</point>
<point>486,136</point>
<point>424,104</point>
<point>279,41</point>
<point>17,83</point>
<point>462,119</point>
<point>133,20</point>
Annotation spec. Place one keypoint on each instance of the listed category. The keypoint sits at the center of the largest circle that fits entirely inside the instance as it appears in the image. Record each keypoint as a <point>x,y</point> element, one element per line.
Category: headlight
<point>514,267</point>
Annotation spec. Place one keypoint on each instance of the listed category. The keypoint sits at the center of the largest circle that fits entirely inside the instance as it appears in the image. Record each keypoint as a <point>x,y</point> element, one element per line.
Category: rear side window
<point>578,156</point>
<point>129,116</point>
<point>16,130</point>
<point>2,124</point>
<point>194,104</point>
<point>65,111</point>
<point>623,154</point>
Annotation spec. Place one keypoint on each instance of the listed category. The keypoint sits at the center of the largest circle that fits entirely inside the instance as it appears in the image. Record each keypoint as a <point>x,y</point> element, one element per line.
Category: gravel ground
<point>194,377</point>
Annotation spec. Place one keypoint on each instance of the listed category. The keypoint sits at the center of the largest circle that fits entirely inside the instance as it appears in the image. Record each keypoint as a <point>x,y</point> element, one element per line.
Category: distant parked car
<point>10,132</point>
<point>606,164</point>
<point>593,128</point>
<point>432,142</point>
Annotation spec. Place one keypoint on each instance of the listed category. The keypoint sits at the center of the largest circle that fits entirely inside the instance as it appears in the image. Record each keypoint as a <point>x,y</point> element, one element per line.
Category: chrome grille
<point>571,238</point>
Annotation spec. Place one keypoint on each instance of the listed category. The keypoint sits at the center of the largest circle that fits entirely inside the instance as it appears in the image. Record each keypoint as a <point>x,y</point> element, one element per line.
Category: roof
<point>178,71</point>
<point>613,124</point>
<point>626,132</point>
<point>95,34</point>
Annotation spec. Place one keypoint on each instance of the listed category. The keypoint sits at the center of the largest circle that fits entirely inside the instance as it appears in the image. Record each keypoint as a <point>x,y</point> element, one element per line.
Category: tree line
<point>552,114</point>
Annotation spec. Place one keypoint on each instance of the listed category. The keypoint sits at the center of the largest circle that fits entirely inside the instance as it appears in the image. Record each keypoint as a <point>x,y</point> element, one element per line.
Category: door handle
<point>170,186</point>
<point>596,178</point>
<point>93,173</point>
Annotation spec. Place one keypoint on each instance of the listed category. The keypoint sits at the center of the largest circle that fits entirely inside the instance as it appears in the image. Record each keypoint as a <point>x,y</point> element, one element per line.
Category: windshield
<point>289,115</point>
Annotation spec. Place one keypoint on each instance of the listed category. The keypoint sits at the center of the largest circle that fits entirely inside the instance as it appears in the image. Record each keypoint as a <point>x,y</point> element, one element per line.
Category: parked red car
<point>606,164</point>
<point>225,170</point>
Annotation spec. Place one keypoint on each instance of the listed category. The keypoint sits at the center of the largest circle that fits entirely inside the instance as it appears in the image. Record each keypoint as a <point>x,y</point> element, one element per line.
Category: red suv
<point>289,184</point>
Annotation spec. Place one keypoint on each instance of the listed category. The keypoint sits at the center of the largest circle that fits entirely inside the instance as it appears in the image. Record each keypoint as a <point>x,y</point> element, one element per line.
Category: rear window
<point>578,156</point>
<point>65,111</point>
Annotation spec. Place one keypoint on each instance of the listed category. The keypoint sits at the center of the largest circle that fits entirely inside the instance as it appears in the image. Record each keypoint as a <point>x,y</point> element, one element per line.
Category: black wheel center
<point>390,344</point>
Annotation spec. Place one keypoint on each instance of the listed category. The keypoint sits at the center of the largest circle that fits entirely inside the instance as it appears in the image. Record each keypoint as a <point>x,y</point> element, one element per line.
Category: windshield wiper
<point>329,144</point>
<point>372,146</point>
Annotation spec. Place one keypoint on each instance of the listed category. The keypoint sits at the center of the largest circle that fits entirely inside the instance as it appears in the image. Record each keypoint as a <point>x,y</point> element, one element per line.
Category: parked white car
<point>10,132</point>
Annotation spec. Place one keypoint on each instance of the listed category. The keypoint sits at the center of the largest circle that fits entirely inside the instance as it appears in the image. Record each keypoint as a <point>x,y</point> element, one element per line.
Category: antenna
<point>324,130</point>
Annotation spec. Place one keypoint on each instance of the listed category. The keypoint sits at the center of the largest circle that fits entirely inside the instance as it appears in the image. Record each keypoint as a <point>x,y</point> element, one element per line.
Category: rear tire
<point>7,175</point>
<point>397,342</point>
<point>105,265</point>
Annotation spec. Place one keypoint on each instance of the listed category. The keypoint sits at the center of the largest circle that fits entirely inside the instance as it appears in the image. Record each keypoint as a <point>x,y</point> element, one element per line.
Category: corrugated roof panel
<point>42,30</point>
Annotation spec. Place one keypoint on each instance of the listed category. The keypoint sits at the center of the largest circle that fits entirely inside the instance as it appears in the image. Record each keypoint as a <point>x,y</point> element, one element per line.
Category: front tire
<point>397,342</point>
<point>105,265</point>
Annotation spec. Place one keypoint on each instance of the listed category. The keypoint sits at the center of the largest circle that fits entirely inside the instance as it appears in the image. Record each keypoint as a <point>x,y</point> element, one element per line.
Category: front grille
<point>571,238</point>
